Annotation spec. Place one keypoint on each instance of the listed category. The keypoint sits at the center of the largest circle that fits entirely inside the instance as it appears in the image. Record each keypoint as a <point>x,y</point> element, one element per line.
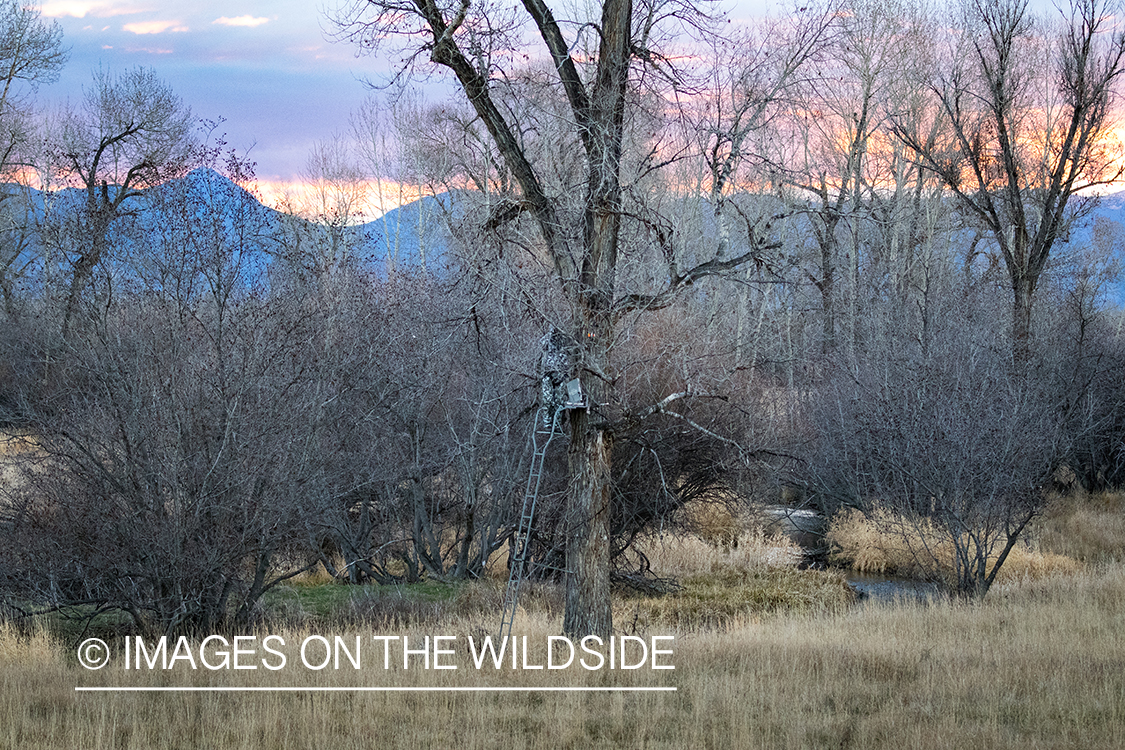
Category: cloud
<point>154,27</point>
<point>66,8</point>
<point>241,21</point>
<point>300,196</point>
<point>82,8</point>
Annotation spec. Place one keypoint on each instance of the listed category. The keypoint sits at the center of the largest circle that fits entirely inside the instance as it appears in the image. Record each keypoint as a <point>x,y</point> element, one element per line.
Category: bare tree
<point>1083,343</point>
<point>829,163</point>
<point>750,83</point>
<point>426,436</point>
<point>31,53</point>
<point>1019,140</point>
<point>943,449</point>
<point>177,436</point>
<point>337,199</point>
<point>596,73</point>
<point>130,132</point>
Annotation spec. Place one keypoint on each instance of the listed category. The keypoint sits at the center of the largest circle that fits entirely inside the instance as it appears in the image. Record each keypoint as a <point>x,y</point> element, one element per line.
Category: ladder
<point>518,563</point>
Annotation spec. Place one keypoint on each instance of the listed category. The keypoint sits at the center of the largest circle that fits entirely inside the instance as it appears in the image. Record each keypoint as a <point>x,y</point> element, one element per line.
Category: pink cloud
<point>154,27</point>
<point>241,21</point>
<point>83,8</point>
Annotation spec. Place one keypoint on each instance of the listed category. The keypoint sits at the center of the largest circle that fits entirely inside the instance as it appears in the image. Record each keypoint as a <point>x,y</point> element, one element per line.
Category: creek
<point>890,588</point>
<point>806,528</point>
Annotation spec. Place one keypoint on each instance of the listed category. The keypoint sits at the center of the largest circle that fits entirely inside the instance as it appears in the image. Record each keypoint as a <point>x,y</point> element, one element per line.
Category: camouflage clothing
<point>555,366</point>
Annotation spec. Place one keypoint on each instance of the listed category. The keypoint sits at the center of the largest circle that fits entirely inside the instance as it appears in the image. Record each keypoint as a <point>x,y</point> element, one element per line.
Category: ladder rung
<point>518,563</point>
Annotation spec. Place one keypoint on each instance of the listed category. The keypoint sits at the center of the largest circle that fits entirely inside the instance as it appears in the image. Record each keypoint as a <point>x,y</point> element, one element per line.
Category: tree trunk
<point>101,211</point>
<point>588,610</point>
<point>587,281</point>
<point>1023,290</point>
<point>826,286</point>
<point>83,273</point>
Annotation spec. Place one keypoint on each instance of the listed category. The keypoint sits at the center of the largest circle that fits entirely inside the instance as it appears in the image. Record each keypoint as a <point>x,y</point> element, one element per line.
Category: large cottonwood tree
<point>130,132</point>
<point>597,63</point>
<point>31,53</point>
<point>1025,114</point>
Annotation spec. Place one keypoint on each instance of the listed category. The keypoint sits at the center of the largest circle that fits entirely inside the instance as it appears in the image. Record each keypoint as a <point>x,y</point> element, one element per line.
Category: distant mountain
<point>1097,241</point>
<point>204,213</point>
<point>415,235</point>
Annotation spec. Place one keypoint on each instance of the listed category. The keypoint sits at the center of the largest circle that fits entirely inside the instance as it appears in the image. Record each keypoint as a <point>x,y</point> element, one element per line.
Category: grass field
<point>15,445</point>
<point>1040,663</point>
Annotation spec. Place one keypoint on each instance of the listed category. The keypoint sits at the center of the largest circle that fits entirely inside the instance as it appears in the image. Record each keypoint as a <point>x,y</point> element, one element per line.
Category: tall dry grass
<point>1035,664</point>
<point>690,554</point>
<point>883,544</point>
<point>739,579</point>
<point>15,446</point>
<point>1086,527</point>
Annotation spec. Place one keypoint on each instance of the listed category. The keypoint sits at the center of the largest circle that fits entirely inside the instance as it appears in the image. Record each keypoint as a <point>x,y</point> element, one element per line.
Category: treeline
<point>215,425</point>
<point>853,253</point>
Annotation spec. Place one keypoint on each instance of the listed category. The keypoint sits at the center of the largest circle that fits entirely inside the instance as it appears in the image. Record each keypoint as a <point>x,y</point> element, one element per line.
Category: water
<point>806,528</point>
<point>890,588</point>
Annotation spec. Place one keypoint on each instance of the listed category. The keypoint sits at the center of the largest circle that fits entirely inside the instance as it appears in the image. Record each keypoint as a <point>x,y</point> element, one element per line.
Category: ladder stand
<point>542,434</point>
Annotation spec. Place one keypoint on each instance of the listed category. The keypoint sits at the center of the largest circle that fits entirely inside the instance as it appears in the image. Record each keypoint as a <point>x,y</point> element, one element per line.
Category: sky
<point>268,68</point>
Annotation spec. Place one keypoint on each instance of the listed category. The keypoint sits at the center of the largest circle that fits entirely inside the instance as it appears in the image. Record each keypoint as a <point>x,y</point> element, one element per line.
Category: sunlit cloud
<point>154,27</point>
<point>235,61</point>
<point>83,8</point>
<point>372,198</point>
<point>250,21</point>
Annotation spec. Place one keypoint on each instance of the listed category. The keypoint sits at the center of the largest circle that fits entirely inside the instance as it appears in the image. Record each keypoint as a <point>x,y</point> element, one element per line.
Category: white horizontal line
<point>365,689</point>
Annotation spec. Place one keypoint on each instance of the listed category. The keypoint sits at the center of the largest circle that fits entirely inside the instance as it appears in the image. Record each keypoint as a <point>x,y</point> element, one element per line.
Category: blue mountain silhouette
<point>205,214</point>
<point>204,211</point>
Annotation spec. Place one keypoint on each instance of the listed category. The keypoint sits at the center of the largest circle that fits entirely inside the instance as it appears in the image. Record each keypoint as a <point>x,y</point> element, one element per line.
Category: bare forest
<point>854,257</point>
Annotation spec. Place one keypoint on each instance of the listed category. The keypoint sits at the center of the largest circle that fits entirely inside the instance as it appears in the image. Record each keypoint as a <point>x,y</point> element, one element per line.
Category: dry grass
<point>731,581</point>
<point>715,523</point>
<point>685,555</point>
<point>738,580</point>
<point>1036,664</point>
<point>763,659</point>
<point>730,598</point>
<point>1090,528</point>
<point>885,545</point>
